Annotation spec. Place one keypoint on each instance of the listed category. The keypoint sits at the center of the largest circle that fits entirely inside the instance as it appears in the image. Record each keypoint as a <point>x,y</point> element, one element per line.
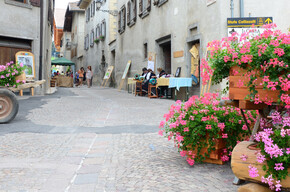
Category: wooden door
<point>7,54</point>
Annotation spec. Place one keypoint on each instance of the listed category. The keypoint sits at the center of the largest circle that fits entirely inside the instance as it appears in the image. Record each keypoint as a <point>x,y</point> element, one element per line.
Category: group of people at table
<point>149,74</point>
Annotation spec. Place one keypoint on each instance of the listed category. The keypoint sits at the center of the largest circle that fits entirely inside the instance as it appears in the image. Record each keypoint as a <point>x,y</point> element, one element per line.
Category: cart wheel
<point>8,106</point>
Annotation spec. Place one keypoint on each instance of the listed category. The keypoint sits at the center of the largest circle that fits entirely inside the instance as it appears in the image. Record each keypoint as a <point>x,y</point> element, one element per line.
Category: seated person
<point>144,72</point>
<point>162,90</point>
<point>148,76</point>
<point>162,73</point>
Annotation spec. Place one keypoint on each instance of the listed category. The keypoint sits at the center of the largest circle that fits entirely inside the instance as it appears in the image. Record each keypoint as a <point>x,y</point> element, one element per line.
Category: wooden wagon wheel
<point>8,106</point>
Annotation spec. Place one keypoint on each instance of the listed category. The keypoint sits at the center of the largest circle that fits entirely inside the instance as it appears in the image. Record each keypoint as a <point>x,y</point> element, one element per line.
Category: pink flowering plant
<point>200,123</point>
<point>265,56</point>
<point>9,72</point>
<point>274,155</point>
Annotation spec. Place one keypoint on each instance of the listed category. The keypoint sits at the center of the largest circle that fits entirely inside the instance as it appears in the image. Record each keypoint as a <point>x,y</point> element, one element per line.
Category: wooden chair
<point>138,88</point>
<point>150,93</point>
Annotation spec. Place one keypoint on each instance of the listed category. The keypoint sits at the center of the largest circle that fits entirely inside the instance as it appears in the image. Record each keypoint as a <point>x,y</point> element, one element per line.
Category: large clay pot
<point>240,167</point>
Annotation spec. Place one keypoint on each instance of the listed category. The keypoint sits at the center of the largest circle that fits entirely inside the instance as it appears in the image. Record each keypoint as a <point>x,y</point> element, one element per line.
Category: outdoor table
<point>175,82</point>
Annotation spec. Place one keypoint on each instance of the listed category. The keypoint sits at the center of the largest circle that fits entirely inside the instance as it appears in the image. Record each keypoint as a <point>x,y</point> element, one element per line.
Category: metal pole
<point>241,8</point>
<point>232,8</point>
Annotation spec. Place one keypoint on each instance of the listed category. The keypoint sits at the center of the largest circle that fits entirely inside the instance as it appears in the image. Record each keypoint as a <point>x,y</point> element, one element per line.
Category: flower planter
<point>21,77</point>
<point>239,91</point>
<point>214,156</point>
<point>240,167</point>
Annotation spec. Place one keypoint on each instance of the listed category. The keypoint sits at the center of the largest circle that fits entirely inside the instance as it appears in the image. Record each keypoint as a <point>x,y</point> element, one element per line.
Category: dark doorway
<point>194,53</point>
<point>113,61</point>
<point>166,48</point>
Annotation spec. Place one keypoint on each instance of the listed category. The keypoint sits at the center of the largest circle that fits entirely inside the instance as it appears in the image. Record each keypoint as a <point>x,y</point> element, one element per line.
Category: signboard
<point>109,72</point>
<point>151,61</point>
<point>126,69</point>
<point>248,21</point>
<point>27,59</point>
<point>239,31</point>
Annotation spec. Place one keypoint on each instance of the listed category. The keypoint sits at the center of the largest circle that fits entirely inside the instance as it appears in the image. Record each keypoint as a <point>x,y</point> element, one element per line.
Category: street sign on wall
<point>248,22</point>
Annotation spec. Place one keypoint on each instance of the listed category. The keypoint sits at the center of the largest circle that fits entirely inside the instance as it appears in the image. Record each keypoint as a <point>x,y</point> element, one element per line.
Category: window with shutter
<point>144,8</point>
<point>98,31</point>
<point>140,7</point>
<point>148,5</point>
<point>94,6</point>
<point>134,12</point>
<point>104,28</point>
<point>124,18</point>
<point>128,13</point>
<point>119,21</point>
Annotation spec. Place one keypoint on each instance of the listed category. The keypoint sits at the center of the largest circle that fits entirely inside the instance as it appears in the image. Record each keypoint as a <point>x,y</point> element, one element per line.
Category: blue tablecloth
<point>179,82</point>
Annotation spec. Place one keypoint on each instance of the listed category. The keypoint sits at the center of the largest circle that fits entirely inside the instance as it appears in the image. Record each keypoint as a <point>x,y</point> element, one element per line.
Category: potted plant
<point>203,130</point>
<point>261,64</point>
<point>11,74</point>
<point>102,37</point>
<point>269,161</point>
<point>97,40</point>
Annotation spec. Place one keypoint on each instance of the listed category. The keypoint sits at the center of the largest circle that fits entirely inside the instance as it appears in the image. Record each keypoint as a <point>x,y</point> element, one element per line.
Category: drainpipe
<point>41,40</point>
<point>232,8</point>
<point>241,8</point>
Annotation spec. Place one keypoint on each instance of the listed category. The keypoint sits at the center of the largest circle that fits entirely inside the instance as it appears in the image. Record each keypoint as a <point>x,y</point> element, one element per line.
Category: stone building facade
<point>73,38</point>
<point>170,29</point>
<point>102,26</point>
<point>21,31</point>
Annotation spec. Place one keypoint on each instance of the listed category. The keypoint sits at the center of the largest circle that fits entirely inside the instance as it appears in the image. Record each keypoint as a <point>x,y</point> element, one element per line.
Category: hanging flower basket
<point>257,66</point>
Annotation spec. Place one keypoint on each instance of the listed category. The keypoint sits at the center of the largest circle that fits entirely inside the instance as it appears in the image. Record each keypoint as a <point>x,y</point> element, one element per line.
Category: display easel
<point>27,59</point>
<point>107,76</point>
<point>125,75</point>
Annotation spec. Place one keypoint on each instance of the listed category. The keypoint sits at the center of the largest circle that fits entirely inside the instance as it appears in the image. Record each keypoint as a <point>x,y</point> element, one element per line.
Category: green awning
<point>62,61</point>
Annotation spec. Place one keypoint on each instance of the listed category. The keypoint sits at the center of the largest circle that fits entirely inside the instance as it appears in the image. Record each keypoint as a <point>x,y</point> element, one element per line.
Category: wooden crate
<point>214,156</point>
<point>239,91</point>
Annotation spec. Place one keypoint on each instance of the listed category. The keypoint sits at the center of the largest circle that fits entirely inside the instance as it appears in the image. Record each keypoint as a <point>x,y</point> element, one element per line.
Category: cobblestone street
<point>97,140</point>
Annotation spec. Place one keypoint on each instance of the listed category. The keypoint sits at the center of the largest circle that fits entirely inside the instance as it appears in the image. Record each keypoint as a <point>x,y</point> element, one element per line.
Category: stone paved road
<point>110,144</point>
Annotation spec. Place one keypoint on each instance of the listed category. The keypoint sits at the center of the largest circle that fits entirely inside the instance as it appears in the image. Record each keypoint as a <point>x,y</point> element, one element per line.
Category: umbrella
<point>62,61</point>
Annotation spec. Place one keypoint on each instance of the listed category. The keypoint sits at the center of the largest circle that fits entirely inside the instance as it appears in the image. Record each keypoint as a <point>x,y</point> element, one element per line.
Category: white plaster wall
<point>23,23</point>
<point>93,55</point>
<point>78,27</point>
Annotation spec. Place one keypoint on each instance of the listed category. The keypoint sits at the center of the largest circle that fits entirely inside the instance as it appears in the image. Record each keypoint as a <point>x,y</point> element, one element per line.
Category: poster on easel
<point>151,61</point>
<point>195,64</point>
<point>125,74</point>
<point>109,72</point>
<point>126,70</point>
<point>107,75</point>
<point>27,59</point>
